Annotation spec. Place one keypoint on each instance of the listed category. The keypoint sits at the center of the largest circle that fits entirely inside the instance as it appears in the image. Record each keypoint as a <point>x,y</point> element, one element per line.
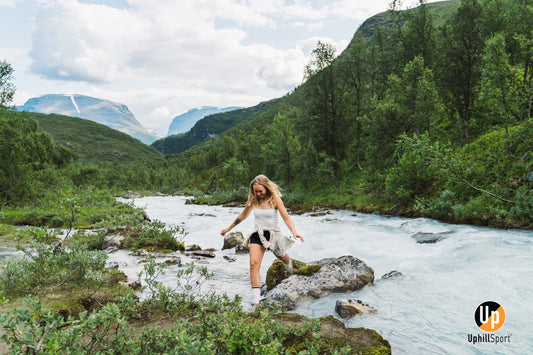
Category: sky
<point>162,58</point>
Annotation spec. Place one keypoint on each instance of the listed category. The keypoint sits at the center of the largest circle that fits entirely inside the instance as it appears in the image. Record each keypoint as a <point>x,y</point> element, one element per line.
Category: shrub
<point>158,236</point>
<point>48,264</point>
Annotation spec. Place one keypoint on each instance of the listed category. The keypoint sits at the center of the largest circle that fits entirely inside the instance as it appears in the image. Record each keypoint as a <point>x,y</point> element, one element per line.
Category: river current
<point>428,310</point>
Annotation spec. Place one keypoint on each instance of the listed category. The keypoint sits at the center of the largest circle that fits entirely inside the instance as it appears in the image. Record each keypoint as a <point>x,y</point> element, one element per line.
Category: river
<point>428,310</point>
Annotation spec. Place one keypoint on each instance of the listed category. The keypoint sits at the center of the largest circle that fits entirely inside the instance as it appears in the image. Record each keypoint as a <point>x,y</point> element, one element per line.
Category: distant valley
<point>184,122</point>
<point>114,115</point>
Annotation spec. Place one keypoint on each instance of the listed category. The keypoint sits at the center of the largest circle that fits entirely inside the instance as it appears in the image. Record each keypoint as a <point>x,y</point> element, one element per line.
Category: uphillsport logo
<point>489,317</point>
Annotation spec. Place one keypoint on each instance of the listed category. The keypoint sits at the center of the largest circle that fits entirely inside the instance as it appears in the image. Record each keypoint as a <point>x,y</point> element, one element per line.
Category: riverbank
<point>377,206</point>
<point>162,317</point>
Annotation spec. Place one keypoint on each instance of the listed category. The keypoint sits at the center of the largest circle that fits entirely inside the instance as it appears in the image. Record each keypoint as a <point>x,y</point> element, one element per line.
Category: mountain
<point>184,122</point>
<point>108,113</point>
<point>205,128</point>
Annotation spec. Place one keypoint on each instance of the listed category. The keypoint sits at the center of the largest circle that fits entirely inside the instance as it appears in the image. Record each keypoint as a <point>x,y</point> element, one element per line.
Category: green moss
<point>382,350</point>
<point>66,307</point>
<point>331,320</point>
<point>276,272</point>
<point>116,277</point>
<point>309,270</point>
<point>333,336</point>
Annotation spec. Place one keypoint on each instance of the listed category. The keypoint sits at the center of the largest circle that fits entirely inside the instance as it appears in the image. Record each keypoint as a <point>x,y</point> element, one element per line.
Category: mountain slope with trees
<point>205,128</point>
<point>94,142</point>
<point>391,123</point>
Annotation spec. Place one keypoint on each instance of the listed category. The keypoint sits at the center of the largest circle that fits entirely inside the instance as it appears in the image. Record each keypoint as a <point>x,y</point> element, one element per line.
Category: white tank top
<point>266,217</point>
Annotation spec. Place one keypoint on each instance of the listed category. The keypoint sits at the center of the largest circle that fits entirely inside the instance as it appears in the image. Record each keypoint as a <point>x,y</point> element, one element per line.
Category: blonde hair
<point>271,190</point>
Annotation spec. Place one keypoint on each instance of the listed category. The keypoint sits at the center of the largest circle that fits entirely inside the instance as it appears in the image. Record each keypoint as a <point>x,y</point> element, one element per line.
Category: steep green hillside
<point>207,127</point>
<point>441,13</point>
<point>94,142</point>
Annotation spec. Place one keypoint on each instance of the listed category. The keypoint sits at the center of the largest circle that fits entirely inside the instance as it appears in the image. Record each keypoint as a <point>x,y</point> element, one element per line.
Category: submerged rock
<point>427,238</point>
<point>174,261</point>
<point>392,274</point>
<point>343,274</point>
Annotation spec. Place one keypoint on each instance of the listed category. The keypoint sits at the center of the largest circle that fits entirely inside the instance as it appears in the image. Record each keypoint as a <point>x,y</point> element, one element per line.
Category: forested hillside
<point>45,156</point>
<point>427,112</point>
<point>207,127</point>
<point>94,142</point>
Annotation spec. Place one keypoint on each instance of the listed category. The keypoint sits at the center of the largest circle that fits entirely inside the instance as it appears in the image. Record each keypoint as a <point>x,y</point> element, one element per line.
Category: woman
<point>265,201</point>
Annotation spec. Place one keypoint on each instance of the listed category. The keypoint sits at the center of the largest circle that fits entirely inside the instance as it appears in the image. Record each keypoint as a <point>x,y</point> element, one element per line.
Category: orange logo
<point>489,316</point>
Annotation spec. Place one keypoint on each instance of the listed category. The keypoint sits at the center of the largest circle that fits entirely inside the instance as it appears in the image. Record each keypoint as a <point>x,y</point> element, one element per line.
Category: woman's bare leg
<point>285,258</point>
<point>256,257</point>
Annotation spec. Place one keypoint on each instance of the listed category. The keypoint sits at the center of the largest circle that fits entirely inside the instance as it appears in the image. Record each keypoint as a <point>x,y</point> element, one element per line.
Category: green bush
<point>203,324</point>
<point>522,211</point>
<point>158,236</point>
<point>48,264</point>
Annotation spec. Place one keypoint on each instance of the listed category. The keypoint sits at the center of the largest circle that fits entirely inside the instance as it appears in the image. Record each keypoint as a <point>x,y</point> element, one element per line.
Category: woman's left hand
<point>298,236</point>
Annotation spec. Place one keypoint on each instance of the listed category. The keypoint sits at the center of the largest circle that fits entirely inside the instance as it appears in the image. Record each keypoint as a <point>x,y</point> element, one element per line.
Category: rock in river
<point>231,240</point>
<point>348,308</point>
<point>428,238</point>
<point>316,279</point>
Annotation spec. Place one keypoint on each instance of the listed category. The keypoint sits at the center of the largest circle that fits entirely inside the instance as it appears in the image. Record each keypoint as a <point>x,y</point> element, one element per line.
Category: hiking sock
<point>256,292</point>
<point>288,267</point>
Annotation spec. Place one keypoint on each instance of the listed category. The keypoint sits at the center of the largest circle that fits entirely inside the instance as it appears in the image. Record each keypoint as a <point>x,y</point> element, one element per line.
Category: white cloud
<point>163,41</point>
<point>156,107</point>
<point>74,41</point>
<point>9,3</point>
<point>161,58</point>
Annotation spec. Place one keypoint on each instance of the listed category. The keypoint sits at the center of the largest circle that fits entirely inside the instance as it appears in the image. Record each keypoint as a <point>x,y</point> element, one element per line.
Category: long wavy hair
<point>271,191</point>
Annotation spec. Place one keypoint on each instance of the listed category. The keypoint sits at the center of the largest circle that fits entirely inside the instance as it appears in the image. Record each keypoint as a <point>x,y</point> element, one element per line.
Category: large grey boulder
<point>329,275</point>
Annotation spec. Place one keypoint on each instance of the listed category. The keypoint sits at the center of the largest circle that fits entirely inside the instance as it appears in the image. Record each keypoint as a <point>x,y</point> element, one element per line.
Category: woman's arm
<point>286,218</point>
<point>245,213</point>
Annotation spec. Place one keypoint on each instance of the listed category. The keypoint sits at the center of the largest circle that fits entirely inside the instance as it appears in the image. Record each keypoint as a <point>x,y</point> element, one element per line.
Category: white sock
<point>288,266</point>
<point>256,292</point>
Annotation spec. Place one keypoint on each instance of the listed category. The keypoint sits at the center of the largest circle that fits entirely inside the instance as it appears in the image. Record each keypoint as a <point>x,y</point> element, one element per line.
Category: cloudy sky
<point>164,57</point>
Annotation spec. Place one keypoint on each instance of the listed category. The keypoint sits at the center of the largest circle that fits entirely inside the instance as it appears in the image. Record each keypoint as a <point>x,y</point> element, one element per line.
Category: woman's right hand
<point>224,231</point>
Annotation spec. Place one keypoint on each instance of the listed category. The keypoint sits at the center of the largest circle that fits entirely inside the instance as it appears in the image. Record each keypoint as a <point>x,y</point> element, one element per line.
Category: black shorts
<point>254,239</point>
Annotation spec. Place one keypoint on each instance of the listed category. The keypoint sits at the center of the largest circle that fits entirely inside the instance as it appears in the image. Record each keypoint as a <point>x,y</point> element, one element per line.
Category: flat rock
<point>347,308</point>
<point>204,253</point>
